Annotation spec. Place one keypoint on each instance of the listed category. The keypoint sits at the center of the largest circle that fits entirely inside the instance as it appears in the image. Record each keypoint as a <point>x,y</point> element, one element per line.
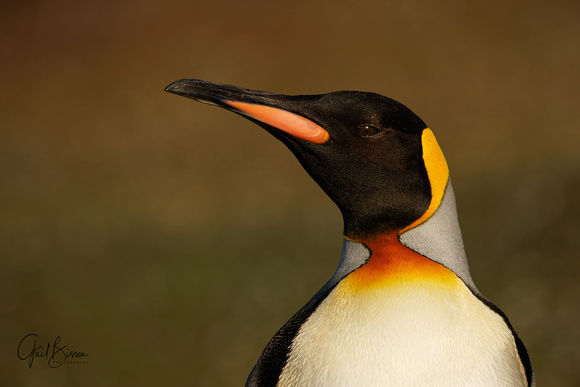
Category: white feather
<point>427,333</point>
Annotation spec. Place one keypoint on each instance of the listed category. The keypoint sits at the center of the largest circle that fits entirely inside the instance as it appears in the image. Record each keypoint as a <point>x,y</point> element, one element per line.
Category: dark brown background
<point>170,240</point>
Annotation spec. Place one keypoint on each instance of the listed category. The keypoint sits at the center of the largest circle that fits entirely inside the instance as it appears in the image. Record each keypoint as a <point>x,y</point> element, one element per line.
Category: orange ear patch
<point>291,123</point>
<point>437,171</point>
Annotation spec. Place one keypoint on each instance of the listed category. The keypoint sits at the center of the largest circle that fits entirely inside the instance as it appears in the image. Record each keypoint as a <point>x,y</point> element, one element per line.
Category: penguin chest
<point>405,330</point>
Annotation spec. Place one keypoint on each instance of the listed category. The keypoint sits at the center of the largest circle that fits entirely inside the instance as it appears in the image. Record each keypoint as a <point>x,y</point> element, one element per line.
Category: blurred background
<point>170,240</point>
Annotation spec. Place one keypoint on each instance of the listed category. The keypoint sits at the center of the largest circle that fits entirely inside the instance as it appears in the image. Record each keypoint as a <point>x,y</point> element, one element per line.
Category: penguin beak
<point>256,105</point>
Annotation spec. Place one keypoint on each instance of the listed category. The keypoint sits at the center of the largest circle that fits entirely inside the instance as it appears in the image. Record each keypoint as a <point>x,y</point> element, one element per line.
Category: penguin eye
<point>366,130</point>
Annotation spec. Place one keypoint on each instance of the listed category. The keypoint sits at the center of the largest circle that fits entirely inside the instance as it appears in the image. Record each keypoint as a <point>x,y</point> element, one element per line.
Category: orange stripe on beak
<point>284,120</point>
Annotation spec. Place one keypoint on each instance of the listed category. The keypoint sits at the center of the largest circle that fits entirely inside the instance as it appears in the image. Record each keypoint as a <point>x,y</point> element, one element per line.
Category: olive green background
<point>170,240</point>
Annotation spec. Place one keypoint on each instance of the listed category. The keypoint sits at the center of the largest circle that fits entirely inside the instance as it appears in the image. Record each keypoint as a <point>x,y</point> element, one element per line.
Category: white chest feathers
<point>422,333</point>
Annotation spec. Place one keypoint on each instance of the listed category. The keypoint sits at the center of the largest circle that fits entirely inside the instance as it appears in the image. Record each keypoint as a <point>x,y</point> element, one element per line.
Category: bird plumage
<point>401,308</point>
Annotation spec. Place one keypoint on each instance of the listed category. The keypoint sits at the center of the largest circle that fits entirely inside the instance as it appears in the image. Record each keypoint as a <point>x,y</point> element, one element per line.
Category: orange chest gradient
<point>392,264</point>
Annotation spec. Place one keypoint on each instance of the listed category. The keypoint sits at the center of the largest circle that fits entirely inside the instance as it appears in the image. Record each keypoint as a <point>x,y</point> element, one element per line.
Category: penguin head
<point>374,157</point>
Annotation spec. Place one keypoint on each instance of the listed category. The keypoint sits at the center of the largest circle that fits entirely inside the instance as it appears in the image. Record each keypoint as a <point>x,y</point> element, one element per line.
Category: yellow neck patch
<point>437,171</point>
<point>392,264</point>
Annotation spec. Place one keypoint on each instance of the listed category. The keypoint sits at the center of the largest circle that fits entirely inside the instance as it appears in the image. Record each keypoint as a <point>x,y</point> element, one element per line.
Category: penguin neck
<point>392,264</point>
<point>439,239</point>
<point>426,249</point>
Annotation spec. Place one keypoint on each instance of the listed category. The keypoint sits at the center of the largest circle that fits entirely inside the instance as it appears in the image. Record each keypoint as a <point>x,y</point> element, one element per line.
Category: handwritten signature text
<point>54,353</point>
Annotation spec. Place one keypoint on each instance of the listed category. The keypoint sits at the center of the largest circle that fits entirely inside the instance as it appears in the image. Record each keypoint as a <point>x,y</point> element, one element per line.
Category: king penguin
<point>401,308</point>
